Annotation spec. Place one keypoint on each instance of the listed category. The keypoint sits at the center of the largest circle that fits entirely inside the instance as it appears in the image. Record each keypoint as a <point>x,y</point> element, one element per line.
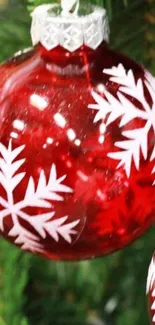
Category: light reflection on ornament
<point>77,142</point>
<point>102,128</point>
<point>50,140</point>
<point>126,184</point>
<point>24,51</point>
<point>100,88</point>
<point>101,139</point>
<point>38,102</point>
<point>19,125</point>
<point>14,135</point>
<point>71,70</point>
<point>81,175</point>
<point>101,195</point>
<point>69,164</point>
<point>60,120</point>
<point>71,134</point>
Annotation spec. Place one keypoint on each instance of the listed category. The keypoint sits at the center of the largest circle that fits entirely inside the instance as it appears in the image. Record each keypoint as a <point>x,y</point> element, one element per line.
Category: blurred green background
<point>107,291</point>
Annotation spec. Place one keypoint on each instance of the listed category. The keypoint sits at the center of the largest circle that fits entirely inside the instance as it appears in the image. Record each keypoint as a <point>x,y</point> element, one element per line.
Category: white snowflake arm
<point>57,227</point>
<point>131,148</point>
<point>116,108</point>
<point>128,83</point>
<point>25,238</point>
<point>150,84</point>
<point>43,223</point>
<point>8,179</point>
<point>150,287</point>
<point>45,191</point>
<point>40,196</point>
<point>151,276</point>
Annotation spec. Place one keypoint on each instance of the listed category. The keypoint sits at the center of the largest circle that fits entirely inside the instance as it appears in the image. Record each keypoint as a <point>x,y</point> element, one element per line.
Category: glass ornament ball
<point>77,151</point>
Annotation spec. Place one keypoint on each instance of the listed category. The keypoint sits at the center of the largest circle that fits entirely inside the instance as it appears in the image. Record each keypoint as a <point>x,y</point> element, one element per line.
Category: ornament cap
<point>52,27</point>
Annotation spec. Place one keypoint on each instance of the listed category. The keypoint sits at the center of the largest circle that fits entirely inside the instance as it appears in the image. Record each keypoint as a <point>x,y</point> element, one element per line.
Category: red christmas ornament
<point>77,141</point>
<point>151,291</point>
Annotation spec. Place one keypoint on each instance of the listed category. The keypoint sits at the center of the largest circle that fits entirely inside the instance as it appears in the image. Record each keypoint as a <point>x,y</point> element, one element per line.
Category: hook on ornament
<point>67,6</point>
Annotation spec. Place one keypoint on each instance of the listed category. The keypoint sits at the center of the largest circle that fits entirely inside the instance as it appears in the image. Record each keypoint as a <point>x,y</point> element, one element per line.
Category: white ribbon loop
<point>67,6</point>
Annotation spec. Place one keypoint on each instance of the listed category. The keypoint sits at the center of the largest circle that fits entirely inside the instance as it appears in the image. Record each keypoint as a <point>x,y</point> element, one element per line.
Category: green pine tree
<point>106,291</point>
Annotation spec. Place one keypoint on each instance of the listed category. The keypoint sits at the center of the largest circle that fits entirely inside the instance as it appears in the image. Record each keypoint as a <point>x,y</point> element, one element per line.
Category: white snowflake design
<point>122,107</point>
<point>150,284</point>
<point>40,196</point>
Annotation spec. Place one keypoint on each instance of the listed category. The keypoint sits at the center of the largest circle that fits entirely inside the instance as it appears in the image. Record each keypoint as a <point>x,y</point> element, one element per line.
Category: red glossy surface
<point>113,210</point>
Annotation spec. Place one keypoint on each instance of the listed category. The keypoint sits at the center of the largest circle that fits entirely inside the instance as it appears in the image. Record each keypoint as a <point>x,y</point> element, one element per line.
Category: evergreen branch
<point>150,35</point>
<point>106,3</point>
<point>14,277</point>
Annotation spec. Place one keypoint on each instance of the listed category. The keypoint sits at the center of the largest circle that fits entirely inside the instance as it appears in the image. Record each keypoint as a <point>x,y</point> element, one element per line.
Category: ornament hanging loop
<point>52,27</point>
<point>67,6</point>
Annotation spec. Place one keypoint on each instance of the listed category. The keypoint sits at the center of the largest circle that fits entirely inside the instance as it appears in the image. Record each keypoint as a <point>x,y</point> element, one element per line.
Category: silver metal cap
<point>68,30</point>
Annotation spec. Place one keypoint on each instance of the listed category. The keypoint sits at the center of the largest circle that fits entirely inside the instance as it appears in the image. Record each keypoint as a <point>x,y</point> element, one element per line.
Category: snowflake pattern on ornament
<point>150,285</point>
<point>121,107</point>
<point>151,277</point>
<point>34,197</point>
